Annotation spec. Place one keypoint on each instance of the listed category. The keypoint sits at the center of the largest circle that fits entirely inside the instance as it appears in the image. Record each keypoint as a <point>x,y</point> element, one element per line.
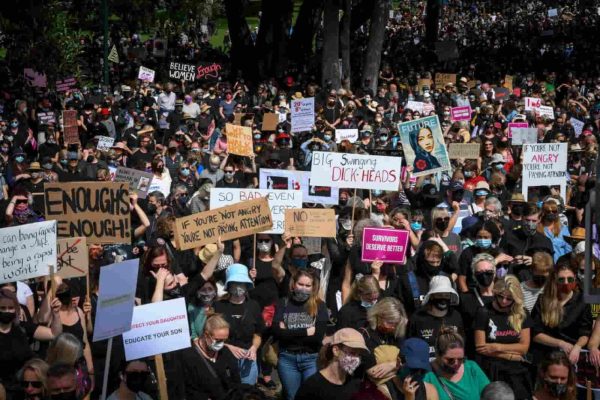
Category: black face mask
<point>539,280</point>
<point>136,381</point>
<point>517,210</point>
<point>65,396</point>
<point>440,304</point>
<point>64,297</point>
<point>175,292</point>
<point>430,270</point>
<point>441,224</point>
<point>484,279</point>
<point>457,196</point>
<point>556,389</point>
<point>151,209</point>
<point>7,317</point>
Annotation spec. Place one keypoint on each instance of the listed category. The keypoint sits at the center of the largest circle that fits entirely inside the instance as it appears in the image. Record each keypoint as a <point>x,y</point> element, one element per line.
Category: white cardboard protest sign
<point>157,328</point>
<point>355,171</point>
<point>577,126</point>
<point>531,103</point>
<point>298,180</point>
<point>414,106</point>
<point>146,74</point>
<point>105,143</point>
<point>303,114</point>
<point>350,135</point>
<point>116,299</point>
<point>545,164</point>
<point>546,111</point>
<point>279,200</point>
<point>552,12</point>
<point>27,250</point>
<point>139,181</point>
<point>524,136</point>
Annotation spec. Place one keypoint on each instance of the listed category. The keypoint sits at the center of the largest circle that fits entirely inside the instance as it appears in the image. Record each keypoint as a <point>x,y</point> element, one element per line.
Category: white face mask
<point>216,346</point>
<point>264,247</point>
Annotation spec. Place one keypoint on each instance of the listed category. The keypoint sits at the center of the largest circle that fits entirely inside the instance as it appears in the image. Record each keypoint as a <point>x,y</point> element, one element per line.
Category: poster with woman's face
<point>424,147</point>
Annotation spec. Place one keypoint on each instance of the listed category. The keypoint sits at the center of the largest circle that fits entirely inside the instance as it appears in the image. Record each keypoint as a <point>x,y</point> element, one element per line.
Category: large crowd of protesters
<point>489,304</point>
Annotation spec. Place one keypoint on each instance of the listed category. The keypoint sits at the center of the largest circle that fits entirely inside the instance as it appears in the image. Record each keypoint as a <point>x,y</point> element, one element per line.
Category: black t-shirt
<point>297,321</point>
<point>265,290</point>
<point>205,379</point>
<point>427,327</point>
<point>318,388</point>
<point>244,320</point>
<point>352,315</point>
<point>15,350</point>
<point>497,327</point>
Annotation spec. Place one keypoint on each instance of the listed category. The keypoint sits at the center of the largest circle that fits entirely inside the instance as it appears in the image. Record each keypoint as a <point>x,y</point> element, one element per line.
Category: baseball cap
<point>348,337</point>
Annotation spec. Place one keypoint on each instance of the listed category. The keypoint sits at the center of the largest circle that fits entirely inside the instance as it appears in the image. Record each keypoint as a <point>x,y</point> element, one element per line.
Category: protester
<point>134,379</point>
<point>556,378</point>
<point>33,379</point>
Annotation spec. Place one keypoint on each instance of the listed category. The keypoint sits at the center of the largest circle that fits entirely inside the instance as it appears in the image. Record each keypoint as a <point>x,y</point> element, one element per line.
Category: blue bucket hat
<point>237,273</point>
<point>416,352</point>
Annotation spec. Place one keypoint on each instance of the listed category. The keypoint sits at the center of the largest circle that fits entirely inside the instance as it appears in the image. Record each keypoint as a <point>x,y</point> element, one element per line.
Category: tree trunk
<point>331,48</point>
<point>345,39</point>
<point>376,37</point>
<point>242,48</point>
<point>432,21</point>
<point>273,37</point>
<point>361,13</point>
<point>307,23</point>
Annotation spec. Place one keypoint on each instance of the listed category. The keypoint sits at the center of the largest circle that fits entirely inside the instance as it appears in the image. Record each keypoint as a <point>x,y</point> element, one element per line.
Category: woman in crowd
<point>383,337</point>
<point>199,305</point>
<point>562,320</point>
<point>437,312</point>
<point>442,225</point>
<point>33,379</point>
<point>453,376</point>
<point>67,348</point>
<point>487,236</point>
<point>157,258</point>
<point>210,370</point>
<point>245,319</point>
<point>339,357</point>
<point>553,228</point>
<point>15,336</point>
<point>532,287</point>
<point>364,294</point>
<point>415,365</point>
<point>556,378</point>
<point>299,326</point>
<point>502,337</point>
<point>134,376</point>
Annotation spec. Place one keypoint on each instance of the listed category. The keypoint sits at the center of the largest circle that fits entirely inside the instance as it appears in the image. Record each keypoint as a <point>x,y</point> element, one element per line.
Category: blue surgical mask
<point>367,304</point>
<point>14,124</point>
<point>416,226</point>
<point>19,159</point>
<point>540,204</point>
<point>257,136</point>
<point>479,193</point>
<point>499,166</point>
<point>376,192</point>
<point>64,161</point>
<point>185,172</point>
<point>327,138</point>
<point>483,243</point>
<point>300,263</point>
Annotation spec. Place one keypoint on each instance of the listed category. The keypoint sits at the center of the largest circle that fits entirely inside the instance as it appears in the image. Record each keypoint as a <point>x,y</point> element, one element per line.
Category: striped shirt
<point>530,295</point>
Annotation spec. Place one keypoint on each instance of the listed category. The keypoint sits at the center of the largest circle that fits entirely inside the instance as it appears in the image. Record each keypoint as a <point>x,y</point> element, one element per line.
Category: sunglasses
<point>443,219</point>
<point>35,384</point>
<point>570,279</point>
<point>459,360</point>
<point>21,201</point>
<point>505,298</point>
<point>159,266</point>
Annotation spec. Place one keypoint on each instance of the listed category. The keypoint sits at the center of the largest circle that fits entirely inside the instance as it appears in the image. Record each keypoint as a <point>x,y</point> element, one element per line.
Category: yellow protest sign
<point>239,140</point>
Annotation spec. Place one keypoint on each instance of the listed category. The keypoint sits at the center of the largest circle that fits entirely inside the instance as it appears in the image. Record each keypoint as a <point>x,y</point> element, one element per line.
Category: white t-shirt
<point>192,109</point>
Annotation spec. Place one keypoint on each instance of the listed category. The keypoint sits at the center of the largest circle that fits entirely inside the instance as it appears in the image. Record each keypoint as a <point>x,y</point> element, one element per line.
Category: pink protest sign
<point>387,245</point>
<point>461,113</point>
<point>516,125</point>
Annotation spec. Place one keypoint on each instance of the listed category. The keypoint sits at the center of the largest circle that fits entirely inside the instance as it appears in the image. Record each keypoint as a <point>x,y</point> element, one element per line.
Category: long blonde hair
<point>510,284</point>
<point>64,348</point>
<point>40,368</point>
<point>388,309</point>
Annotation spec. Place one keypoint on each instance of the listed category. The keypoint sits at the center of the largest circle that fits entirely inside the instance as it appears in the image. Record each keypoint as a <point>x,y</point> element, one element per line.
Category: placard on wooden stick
<point>239,140</point>
<point>72,260</point>
<point>310,222</point>
<point>464,150</point>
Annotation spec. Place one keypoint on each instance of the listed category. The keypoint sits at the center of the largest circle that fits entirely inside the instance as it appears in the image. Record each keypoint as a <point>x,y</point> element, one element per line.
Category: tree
<point>242,48</point>
<point>345,38</point>
<point>273,37</point>
<point>307,23</point>
<point>381,11</point>
<point>331,39</point>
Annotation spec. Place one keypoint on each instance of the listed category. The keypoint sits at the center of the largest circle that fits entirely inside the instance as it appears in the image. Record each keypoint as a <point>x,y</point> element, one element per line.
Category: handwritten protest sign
<point>71,130</point>
<point>239,140</point>
<point>303,114</point>
<point>577,126</point>
<point>544,164</point>
<point>27,250</point>
<point>270,121</point>
<point>182,71</point>
<point>414,106</point>
<point>531,103</point>
<point>157,328</point>
<point>65,84</point>
<point>97,210</point>
<point>105,143</point>
<point>350,135</point>
<point>146,74</point>
<point>282,179</point>
<point>524,135</point>
<point>209,71</point>
<point>387,245</point>
<point>72,258</point>
<point>462,113</point>
<point>464,150</point>
<point>424,146</point>
<point>546,111</point>
<point>116,299</point>
<point>355,171</point>
<point>310,222</point>
<point>442,79</point>
<point>139,181</point>
<point>279,201</point>
<point>35,79</point>
<point>230,222</point>
<point>514,125</point>
<point>46,118</point>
